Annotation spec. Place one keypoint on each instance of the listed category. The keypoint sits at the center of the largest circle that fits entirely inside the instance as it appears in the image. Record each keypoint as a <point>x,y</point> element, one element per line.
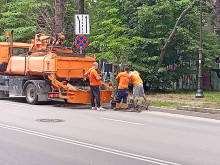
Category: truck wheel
<point>3,94</point>
<point>31,94</point>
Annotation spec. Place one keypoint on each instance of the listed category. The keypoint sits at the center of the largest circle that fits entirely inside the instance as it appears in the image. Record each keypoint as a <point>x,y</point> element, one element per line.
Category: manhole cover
<point>50,120</point>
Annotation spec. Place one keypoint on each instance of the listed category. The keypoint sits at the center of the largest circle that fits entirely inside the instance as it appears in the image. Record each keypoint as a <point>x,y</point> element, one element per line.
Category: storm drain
<point>50,120</point>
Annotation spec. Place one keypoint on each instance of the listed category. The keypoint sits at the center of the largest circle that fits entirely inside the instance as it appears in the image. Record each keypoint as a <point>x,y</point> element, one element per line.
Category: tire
<point>31,94</point>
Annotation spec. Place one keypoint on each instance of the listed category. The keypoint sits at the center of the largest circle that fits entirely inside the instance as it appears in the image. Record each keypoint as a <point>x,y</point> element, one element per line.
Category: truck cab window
<point>20,51</point>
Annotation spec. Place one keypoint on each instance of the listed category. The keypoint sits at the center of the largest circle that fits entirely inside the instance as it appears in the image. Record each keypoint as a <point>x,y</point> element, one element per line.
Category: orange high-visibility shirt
<point>88,72</point>
<point>92,77</point>
<point>135,78</point>
<point>124,80</point>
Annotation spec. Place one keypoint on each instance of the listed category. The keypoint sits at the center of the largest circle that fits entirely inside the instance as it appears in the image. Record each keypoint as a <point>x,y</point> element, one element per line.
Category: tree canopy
<point>136,29</point>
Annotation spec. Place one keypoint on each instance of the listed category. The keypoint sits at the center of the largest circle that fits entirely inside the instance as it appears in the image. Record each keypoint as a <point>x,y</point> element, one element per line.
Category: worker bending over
<point>95,81</point>
<point>123,78</point>
<point>138,89</point>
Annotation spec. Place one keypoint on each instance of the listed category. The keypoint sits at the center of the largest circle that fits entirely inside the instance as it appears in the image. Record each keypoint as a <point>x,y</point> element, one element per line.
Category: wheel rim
<point>30,94</point>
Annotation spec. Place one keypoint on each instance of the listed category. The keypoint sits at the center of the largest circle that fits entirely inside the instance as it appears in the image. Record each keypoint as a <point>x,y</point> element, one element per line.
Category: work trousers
<point>122,94</point>
<point>95,94</point>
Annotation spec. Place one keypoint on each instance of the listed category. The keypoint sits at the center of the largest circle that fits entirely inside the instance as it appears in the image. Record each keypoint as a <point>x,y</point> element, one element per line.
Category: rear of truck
<point>69,81</point>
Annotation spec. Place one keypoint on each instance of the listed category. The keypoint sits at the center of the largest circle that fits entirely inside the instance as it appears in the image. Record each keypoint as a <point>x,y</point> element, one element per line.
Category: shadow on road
<point>15,99</point>
<point>54,103</point>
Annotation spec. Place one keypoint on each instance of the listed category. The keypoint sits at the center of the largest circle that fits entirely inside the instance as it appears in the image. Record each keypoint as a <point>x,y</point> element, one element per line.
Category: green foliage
<point>153,27</point>
<point>134,28</point>
<point>17,15</point>
<point>70,10</point>
<point>138,29</point>
<point>211,48</point>
<point>108,33</point>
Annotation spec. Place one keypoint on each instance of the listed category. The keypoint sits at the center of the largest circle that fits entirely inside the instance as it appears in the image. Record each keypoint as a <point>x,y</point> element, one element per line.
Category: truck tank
<point>70,66</point>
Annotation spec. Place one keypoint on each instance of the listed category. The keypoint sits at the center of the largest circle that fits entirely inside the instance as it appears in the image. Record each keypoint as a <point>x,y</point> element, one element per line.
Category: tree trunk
<point>81,6</point>
<point>216,10</point>
<point>173,33</point>
<point>118,66</point>
<point>59,16</point>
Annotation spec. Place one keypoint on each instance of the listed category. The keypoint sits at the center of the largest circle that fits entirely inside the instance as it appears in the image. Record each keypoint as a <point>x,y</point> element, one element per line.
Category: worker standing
<point>123,78</point>
<point>95,81</point>
<point>138,89</point>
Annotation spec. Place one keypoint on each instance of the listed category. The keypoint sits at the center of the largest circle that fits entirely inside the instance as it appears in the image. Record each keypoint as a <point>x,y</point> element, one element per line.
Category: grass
<point>213,97</point>
<point>174,98</point>
<point>165,104</point>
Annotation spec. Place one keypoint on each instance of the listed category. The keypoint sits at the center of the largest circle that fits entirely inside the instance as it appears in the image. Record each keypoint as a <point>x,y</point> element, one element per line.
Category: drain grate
<point>50,120</point>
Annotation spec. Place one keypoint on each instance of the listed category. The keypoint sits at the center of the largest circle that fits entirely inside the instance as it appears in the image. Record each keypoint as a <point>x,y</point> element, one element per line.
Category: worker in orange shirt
<point>138,89</point>
<point>123,78</point>
<point>95,81</point>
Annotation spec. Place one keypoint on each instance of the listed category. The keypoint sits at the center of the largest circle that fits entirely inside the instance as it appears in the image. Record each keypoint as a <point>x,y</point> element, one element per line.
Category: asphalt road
<point>89,137</point>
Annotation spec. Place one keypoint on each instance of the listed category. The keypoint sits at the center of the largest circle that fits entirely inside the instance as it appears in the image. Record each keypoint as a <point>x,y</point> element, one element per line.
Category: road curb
<point>198,109</point>
<point>153,108</point>
<point>186,108</point>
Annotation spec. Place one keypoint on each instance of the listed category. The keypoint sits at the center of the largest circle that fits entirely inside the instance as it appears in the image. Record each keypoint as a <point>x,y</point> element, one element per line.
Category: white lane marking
<point>18,105</point>
<point>122,121</point>
<point>182,116</point>
<point>91,146</point>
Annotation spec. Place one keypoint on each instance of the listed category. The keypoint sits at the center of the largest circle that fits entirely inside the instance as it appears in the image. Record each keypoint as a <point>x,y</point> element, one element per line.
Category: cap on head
<point>95,64</point>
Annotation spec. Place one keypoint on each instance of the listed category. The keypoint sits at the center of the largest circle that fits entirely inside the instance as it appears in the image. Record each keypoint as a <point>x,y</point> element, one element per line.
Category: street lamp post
<point>199,93</point>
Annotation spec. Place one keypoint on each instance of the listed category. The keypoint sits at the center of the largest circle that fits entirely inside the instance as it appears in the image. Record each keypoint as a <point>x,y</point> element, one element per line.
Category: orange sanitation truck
<point>44,70</point>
